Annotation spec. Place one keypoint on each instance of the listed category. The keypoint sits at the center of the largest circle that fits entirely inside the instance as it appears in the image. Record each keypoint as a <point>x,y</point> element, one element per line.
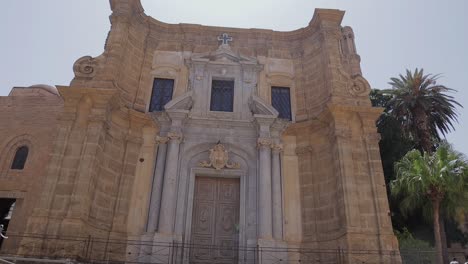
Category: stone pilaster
<point>169,195</point>
<point>264,194</point>
<point>382,219</point>
<point>264,198</point>
<point>277,191</point>
<point>139,203</point>
<point>345,169</point>
<point>156,191</point>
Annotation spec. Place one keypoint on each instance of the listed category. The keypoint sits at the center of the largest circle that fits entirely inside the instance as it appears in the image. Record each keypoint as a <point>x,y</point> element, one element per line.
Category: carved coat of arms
<point>219,159</point>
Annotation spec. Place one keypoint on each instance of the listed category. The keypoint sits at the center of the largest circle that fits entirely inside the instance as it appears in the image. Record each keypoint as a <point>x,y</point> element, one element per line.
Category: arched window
<point>20,158</point>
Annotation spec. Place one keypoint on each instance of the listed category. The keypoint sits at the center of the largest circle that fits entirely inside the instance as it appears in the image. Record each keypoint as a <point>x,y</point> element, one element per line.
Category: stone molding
<point>259,107</point>
<point>183,102</point>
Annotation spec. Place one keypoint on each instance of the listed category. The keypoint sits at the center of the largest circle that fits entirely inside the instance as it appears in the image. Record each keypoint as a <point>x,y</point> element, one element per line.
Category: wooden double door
<point>215,220</point>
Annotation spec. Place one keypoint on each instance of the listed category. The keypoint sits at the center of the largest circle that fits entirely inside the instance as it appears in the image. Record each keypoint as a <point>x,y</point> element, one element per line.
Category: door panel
<point>215,220</point>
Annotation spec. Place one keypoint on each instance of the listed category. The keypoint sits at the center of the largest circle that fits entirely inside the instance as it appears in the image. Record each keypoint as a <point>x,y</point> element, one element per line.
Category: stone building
<point>197,136</point>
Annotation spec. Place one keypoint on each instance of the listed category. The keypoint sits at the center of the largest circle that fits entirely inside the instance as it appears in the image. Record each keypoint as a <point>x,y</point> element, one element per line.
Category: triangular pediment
<point>183,102</point>
<point>259,107</point>
<point>224,54</point>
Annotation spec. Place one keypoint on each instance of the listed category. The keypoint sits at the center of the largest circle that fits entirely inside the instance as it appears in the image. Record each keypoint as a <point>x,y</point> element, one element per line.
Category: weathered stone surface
<point>97,155</point>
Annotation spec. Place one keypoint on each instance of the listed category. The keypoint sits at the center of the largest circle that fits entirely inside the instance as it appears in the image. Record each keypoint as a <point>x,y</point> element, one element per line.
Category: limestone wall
<point>102,147</point>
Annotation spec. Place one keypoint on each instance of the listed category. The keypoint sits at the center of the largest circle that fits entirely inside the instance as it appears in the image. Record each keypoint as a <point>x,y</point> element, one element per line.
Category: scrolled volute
<point>85,67</point>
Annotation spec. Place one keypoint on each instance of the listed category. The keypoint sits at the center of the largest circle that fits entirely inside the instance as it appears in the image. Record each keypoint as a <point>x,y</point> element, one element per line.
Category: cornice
<point>322,19</point>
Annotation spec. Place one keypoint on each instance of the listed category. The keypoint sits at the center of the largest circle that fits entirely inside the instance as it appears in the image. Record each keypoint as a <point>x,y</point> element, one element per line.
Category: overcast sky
<point>40,40</point>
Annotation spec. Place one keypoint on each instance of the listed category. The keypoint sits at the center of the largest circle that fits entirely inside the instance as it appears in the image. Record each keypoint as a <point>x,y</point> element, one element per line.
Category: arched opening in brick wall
<point>20,158</point>
<point>15,156</point>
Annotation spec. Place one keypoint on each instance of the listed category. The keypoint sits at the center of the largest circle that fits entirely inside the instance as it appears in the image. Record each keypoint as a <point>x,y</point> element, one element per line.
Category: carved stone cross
<point>225,38</point>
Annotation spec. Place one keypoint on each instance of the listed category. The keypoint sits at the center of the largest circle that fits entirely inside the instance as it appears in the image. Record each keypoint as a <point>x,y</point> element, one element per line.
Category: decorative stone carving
<point>225,38</point>
<point>223,55</point>
<point>358,86</point>
<point>264,142</point>
<point>277,147</point>
<point>174,136</point>
<point>161,140</point>
<point>219,159</point>
<point>85,67</point>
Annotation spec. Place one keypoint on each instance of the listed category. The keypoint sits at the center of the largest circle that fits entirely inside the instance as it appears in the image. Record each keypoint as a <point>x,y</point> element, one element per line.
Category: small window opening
<point>281,101</point>
<point>162,94</point>
<point>20,158</point>
<point>222,95</point>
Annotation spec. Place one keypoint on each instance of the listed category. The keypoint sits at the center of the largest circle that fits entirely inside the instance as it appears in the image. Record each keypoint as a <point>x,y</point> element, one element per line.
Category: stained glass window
<point>222,95</point>
<point>20,158</point>
<point>162,94</point>
<point>281,101</point>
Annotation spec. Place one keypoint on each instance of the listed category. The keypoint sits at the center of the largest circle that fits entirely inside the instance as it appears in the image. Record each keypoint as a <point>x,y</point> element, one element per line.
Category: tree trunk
<point>443,237</point>
<point>437,238</point>
<point>423,131</point>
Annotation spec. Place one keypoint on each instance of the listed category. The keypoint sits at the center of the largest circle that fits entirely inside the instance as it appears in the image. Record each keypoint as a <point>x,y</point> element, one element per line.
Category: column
<point>156,191</point>
<point>169,194</point>
<point>144,171</point>
<point>277,191</point>
<point>264,201</point>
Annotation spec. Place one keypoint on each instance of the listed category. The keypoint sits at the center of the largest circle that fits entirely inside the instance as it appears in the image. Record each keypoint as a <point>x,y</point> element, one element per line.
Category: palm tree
<point>440,178</point>
<point>421,107</point>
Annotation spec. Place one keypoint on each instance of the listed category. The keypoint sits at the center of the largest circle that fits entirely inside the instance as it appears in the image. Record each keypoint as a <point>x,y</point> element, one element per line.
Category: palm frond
<point>418,175</point>
<point>418,96</point>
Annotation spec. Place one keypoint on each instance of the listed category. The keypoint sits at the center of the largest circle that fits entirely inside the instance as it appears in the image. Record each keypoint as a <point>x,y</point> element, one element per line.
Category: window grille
<point>222,95</point>
<point>281,101</point>
<point>162,94</point>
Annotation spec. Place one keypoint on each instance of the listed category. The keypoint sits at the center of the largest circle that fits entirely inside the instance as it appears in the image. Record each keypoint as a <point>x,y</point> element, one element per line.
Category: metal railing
<point>98,250</point>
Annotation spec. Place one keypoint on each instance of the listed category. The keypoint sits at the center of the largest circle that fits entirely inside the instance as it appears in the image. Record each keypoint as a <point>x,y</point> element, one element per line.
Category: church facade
<point>217,139</point>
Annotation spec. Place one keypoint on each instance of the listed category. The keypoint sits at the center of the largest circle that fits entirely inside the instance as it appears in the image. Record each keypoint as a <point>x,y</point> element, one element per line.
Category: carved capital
<point>264,143</point>
<point>277,148</point>
<point>174,136</point>
<point>161,140</point>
